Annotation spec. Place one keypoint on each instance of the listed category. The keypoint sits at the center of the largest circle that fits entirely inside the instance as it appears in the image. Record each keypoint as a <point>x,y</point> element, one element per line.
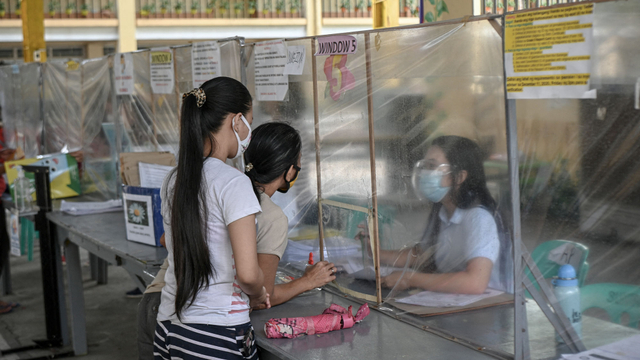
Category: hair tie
<point>248,167</point>
<point>201,97</point>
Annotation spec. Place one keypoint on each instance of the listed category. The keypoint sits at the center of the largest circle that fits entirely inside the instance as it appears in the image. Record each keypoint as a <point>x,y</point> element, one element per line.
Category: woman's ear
<point>290,174</point>
<point>461,177</point>
<point>236,122</point>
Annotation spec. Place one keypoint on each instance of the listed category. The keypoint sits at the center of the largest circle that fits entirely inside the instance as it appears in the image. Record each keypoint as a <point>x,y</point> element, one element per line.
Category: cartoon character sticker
<point>339,78</point>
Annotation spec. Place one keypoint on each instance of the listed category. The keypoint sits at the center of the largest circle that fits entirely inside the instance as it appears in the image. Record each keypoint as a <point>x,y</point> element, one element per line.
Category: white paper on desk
<point>626,349</point>
<point>152,175</point>
<point>369,273</point>
<point>436,299</point>
<point>90,207</point>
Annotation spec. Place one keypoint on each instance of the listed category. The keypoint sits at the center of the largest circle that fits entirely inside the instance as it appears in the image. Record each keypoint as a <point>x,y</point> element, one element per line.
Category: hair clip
<point>200,95</point>
<point>248,167</point>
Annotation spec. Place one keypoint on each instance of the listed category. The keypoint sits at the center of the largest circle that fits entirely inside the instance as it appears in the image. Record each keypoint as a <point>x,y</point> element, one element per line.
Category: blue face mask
<point>430,185</point>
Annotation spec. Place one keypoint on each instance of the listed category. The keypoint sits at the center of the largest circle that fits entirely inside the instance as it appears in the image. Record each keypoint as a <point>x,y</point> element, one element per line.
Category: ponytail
<point>202,116</point>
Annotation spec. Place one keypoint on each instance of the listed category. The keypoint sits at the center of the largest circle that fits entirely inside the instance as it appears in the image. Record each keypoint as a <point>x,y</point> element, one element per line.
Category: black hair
<point>274,147</point>
<point>189,213</point>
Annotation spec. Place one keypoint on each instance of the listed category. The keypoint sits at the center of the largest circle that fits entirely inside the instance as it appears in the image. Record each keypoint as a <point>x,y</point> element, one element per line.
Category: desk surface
<point>108,230</point>
<point>378,337</point>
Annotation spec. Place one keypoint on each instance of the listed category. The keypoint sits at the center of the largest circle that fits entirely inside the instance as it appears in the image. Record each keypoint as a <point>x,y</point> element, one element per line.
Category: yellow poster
<point>547,53</point>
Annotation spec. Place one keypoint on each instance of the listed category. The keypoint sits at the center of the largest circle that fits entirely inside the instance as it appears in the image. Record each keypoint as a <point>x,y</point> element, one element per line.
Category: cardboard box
<point>64,177</point>
<point>142,214</point>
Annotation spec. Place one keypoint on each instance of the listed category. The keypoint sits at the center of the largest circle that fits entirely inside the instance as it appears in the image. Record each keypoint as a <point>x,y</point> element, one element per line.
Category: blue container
<point>565,287</point>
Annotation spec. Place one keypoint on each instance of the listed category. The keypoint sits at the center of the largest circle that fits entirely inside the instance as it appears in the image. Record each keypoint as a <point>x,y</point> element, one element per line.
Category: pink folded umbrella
<point>334,318</point>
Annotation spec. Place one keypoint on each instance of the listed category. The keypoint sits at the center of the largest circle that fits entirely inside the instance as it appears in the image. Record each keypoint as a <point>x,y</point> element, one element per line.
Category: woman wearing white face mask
<point>209,210</point>
<point>464,235</point>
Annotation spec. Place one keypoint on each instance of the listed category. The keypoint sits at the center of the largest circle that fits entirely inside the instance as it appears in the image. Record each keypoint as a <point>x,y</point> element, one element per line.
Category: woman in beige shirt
<point>273,164</point>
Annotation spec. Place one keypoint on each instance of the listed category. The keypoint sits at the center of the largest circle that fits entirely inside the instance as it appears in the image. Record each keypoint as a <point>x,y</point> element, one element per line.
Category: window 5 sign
<point>336,45</point>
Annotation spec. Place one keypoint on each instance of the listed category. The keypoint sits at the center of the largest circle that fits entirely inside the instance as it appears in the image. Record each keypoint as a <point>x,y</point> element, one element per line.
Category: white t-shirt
<point>272,228</point>
<point>230,197</point>
<point>470,233</point>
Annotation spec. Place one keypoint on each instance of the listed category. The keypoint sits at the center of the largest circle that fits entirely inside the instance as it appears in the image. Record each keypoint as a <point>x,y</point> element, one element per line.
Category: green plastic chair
<point>550,268</point>
<point>615,299</point>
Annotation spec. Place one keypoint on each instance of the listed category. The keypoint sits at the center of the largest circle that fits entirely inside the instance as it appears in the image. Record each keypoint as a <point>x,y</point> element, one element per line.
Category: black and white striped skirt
<point>199,341</point>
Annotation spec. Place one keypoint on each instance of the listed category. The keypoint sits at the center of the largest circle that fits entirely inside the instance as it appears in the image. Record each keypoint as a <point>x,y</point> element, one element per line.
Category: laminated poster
<point>161,66</point>
<point>138,214</point>
<point>205,62</point>
<point>547,53</point>
<point>123,73</point>
<point>270,61</point>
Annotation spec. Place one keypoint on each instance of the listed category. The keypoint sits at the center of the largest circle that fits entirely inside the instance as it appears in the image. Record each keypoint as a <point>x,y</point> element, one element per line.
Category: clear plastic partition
<point>345,168</point>
<point>300,203</point>
<point>62,90</point>
<point>29,128</point>
<point>580,192</point>
<point>99,178</point>
<point>11,103</point>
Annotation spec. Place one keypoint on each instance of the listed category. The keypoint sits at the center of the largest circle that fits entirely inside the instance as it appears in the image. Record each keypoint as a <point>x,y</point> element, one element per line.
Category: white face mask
<point>242,144</point>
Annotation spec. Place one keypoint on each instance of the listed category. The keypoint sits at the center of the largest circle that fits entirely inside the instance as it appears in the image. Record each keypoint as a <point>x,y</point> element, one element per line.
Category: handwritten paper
<point>295,60</point>
<point>205,62</point>
<point>436,299</point>
<point>270,61</point>
<point>161,66</point>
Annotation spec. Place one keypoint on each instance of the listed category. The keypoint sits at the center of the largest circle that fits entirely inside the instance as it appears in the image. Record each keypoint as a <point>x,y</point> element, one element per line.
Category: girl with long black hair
<point>465,248</point>
<point>273,165</point>
<point>209,209</point>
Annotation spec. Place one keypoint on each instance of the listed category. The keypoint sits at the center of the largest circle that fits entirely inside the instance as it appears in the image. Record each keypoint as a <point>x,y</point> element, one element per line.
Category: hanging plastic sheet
<point>98,131</point>
<point>29,125</point>
<point>300,202</point>
<point>579,187</point>
<point>11,102</point>
<point>62,91</point>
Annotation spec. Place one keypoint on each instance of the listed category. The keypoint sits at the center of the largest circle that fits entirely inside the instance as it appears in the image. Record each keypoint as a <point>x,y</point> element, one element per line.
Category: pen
<point>310,258</point>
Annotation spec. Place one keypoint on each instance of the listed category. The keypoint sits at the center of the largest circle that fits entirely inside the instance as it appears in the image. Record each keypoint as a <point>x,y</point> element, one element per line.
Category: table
<point>104,236</point>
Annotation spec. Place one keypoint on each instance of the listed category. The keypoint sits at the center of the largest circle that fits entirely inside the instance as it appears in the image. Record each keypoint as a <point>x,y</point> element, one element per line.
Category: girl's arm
<point>242,233</point>
<point>473,280</point>
<point>315,276</point>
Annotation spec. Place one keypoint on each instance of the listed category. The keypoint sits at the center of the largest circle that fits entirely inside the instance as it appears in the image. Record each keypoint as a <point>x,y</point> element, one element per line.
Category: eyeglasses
<point>428,165</point>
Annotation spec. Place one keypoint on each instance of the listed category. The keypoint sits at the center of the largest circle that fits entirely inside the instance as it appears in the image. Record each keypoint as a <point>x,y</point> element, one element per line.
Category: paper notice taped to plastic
<point>123,74</point>
<point>296,56</point>
<point>205,62</point>
<point>270,61</point>
<point>336,45</point>
<point>161,66</point>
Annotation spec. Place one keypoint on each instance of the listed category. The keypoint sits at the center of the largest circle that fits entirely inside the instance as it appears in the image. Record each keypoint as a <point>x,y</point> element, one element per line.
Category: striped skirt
<point>199,341</point>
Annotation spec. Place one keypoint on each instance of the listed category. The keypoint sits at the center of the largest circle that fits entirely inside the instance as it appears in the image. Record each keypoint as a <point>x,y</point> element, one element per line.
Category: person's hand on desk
<point>260,302</point>
<point>320,274</point>
<point>398,280</point>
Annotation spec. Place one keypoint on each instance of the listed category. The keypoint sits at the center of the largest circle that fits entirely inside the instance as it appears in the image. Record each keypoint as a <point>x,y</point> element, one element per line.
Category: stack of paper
<point>86,208</point>
<point>129,165</point>
<point>152,175</point>
<point>627,349</point>
<point>436,299</point>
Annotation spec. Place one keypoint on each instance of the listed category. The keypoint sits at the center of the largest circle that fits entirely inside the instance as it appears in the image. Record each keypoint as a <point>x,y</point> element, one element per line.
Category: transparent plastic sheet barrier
<point>62,85</point>
<point>300,202</point>
<point>99,177</point>
<point>579,176</point>
<point>11,104</point>
<point>29,127</point>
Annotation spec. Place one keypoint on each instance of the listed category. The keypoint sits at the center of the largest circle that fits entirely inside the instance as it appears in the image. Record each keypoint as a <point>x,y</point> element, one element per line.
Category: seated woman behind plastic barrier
<point>466,247</point>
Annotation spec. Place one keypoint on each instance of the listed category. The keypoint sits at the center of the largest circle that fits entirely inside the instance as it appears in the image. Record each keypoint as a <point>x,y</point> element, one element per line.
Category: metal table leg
<point>76,298</point>
<point>101,271</point>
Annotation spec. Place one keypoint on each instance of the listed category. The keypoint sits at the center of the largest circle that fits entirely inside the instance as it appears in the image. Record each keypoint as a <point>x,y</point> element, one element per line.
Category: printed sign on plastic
<point>14,232</point>
<point>296,56</point>
<point>205,62</point>
<point>336,45</point>
<point>138,216</point>
<point>270,61</point>
<point>162,78</point>
<point>547,53</point>
<point>123,73</point>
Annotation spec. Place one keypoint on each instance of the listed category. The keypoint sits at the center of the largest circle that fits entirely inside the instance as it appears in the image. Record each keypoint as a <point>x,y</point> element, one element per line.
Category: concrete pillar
<point>95,50</point>
<point>313,14</point>
<point>127,26</point>
<point>33,31</point>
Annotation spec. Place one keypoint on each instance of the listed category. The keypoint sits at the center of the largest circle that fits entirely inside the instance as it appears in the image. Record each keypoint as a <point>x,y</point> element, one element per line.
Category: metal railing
<point>500,6</point>
<point>220,9</point>
<point>362,8</point>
